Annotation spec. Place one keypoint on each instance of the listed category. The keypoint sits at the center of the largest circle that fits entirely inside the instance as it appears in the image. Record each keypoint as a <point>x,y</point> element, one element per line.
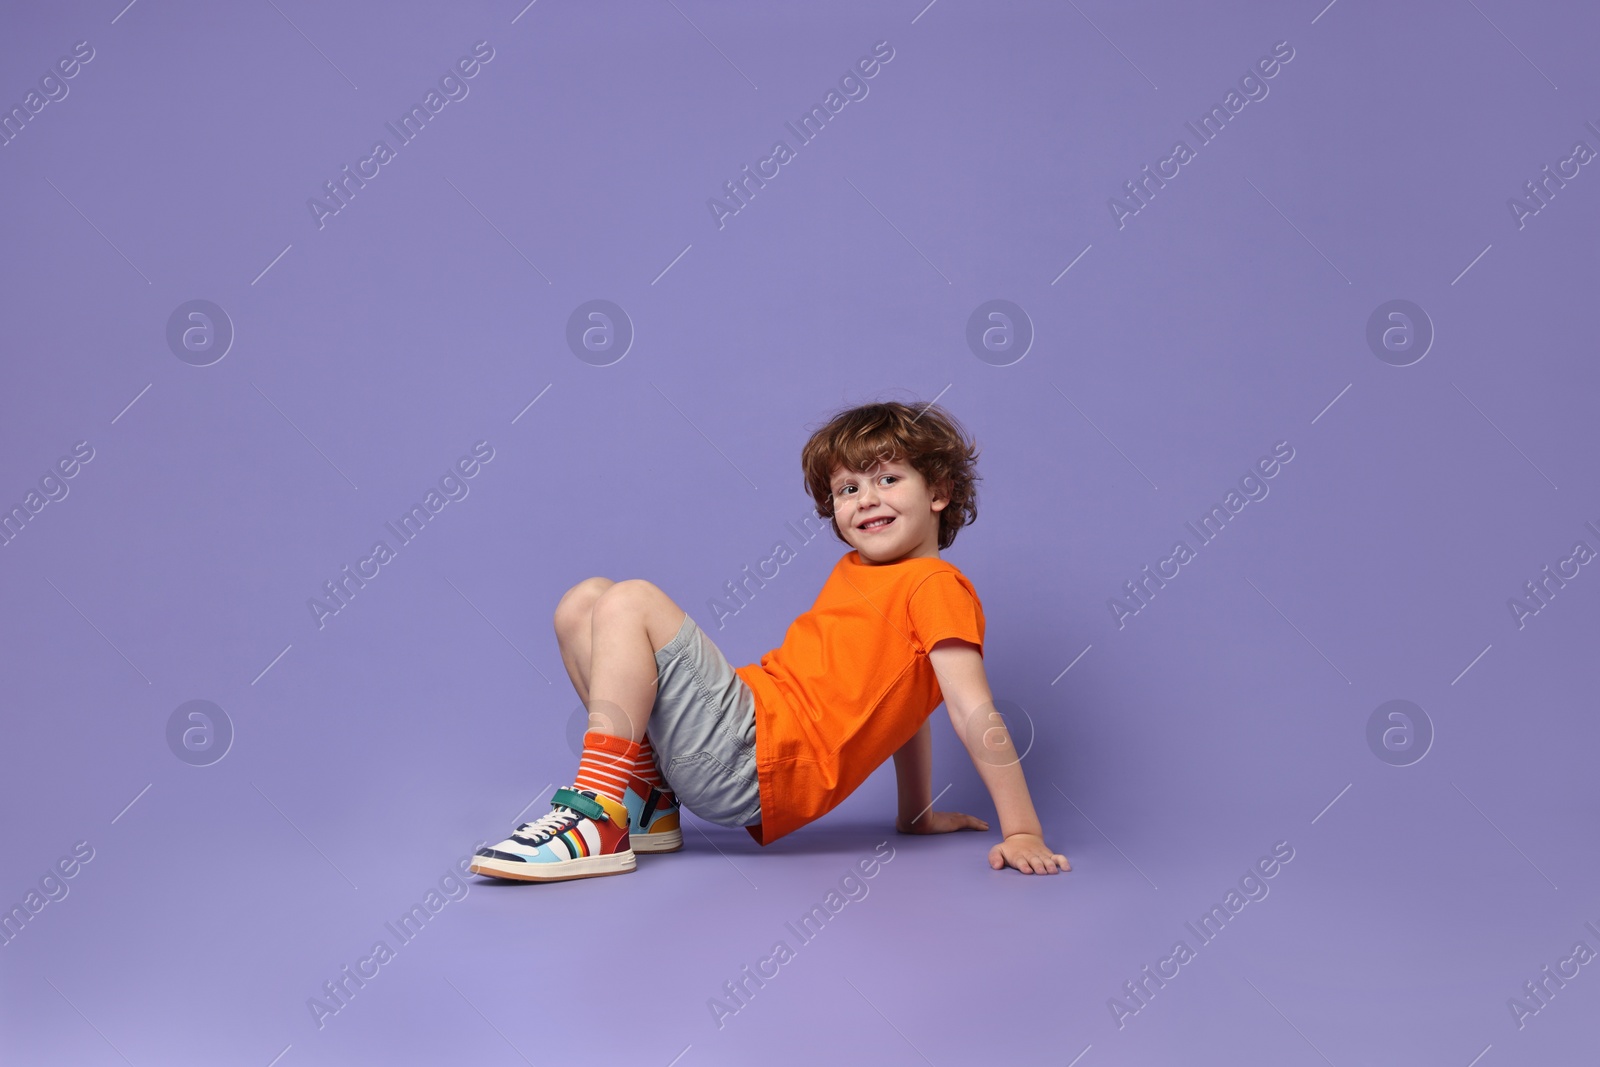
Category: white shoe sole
<point>660,841</point>
<point>583,867</point>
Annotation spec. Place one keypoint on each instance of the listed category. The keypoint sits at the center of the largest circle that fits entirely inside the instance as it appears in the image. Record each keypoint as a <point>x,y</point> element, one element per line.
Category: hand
<point>940,822</point>
<point>1028,854</point>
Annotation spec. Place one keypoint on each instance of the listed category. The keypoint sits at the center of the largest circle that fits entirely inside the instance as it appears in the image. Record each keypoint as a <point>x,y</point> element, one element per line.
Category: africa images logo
<point>1252,487</point>
<point>852,87</point>
<point>341,591</point>
<point>1253,84</point>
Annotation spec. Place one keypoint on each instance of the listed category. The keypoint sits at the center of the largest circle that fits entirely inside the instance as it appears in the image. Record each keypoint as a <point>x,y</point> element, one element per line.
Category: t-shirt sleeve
<point>942,607</point>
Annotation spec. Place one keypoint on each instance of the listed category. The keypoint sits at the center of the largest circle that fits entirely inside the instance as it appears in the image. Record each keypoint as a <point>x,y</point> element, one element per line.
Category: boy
<point>772,746</point>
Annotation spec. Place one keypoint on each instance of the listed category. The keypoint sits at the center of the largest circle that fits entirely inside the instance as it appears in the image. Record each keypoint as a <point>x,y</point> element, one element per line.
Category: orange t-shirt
<point>851,682</point>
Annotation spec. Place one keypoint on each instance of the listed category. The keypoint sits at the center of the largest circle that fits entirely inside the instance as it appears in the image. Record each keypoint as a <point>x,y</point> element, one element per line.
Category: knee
<point>629,597</point>
<point>576,606</point>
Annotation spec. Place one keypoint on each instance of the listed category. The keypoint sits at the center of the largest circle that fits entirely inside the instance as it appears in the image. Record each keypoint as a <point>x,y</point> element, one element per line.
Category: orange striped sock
<point>644,764</point>
<point>606,762</point>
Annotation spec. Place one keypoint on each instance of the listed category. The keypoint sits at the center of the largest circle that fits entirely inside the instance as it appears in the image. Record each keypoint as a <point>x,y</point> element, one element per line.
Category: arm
<point>913,775</point>
<point>913,771</point>
<point>959,667</point>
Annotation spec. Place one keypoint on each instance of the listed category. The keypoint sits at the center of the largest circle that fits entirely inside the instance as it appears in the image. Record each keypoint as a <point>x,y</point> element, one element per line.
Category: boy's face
<point>890,491</point>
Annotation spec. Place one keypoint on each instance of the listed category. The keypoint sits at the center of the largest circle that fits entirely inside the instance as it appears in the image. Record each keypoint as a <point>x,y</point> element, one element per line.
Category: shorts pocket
<point>706,769</point>
<point>707,786</point>
<point>741,749</point>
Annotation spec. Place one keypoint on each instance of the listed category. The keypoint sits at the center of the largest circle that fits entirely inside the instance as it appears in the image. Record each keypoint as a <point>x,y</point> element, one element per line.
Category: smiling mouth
<point>875,524</point>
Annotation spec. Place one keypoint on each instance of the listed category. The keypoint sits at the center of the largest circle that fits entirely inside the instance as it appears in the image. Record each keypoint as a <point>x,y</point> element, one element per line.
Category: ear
<point>941,495</point>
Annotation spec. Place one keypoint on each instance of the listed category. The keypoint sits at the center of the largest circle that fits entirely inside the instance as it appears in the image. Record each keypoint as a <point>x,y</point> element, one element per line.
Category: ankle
<point>606,764</point>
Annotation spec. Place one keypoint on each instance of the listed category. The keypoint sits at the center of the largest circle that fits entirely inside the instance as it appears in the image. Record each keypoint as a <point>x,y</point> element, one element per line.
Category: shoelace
<point>558,820</point>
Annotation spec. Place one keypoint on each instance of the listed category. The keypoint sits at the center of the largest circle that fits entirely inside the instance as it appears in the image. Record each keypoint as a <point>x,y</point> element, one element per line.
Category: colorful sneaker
<point>584,835</point>
<point>652,817</point>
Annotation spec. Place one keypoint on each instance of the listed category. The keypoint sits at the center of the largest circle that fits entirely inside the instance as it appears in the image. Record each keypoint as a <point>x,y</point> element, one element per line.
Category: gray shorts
<point>703,728</point>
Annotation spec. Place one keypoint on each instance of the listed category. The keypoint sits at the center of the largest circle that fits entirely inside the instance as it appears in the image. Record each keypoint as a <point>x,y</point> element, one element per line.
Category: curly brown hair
<point>926,436</point>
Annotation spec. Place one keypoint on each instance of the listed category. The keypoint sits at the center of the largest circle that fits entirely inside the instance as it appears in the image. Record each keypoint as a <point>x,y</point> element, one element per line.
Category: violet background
<point>1229,715</point>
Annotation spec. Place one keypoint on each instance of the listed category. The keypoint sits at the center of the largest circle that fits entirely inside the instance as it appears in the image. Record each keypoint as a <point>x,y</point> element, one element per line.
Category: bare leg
<point>630,621</point>
<point>574,624</point>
